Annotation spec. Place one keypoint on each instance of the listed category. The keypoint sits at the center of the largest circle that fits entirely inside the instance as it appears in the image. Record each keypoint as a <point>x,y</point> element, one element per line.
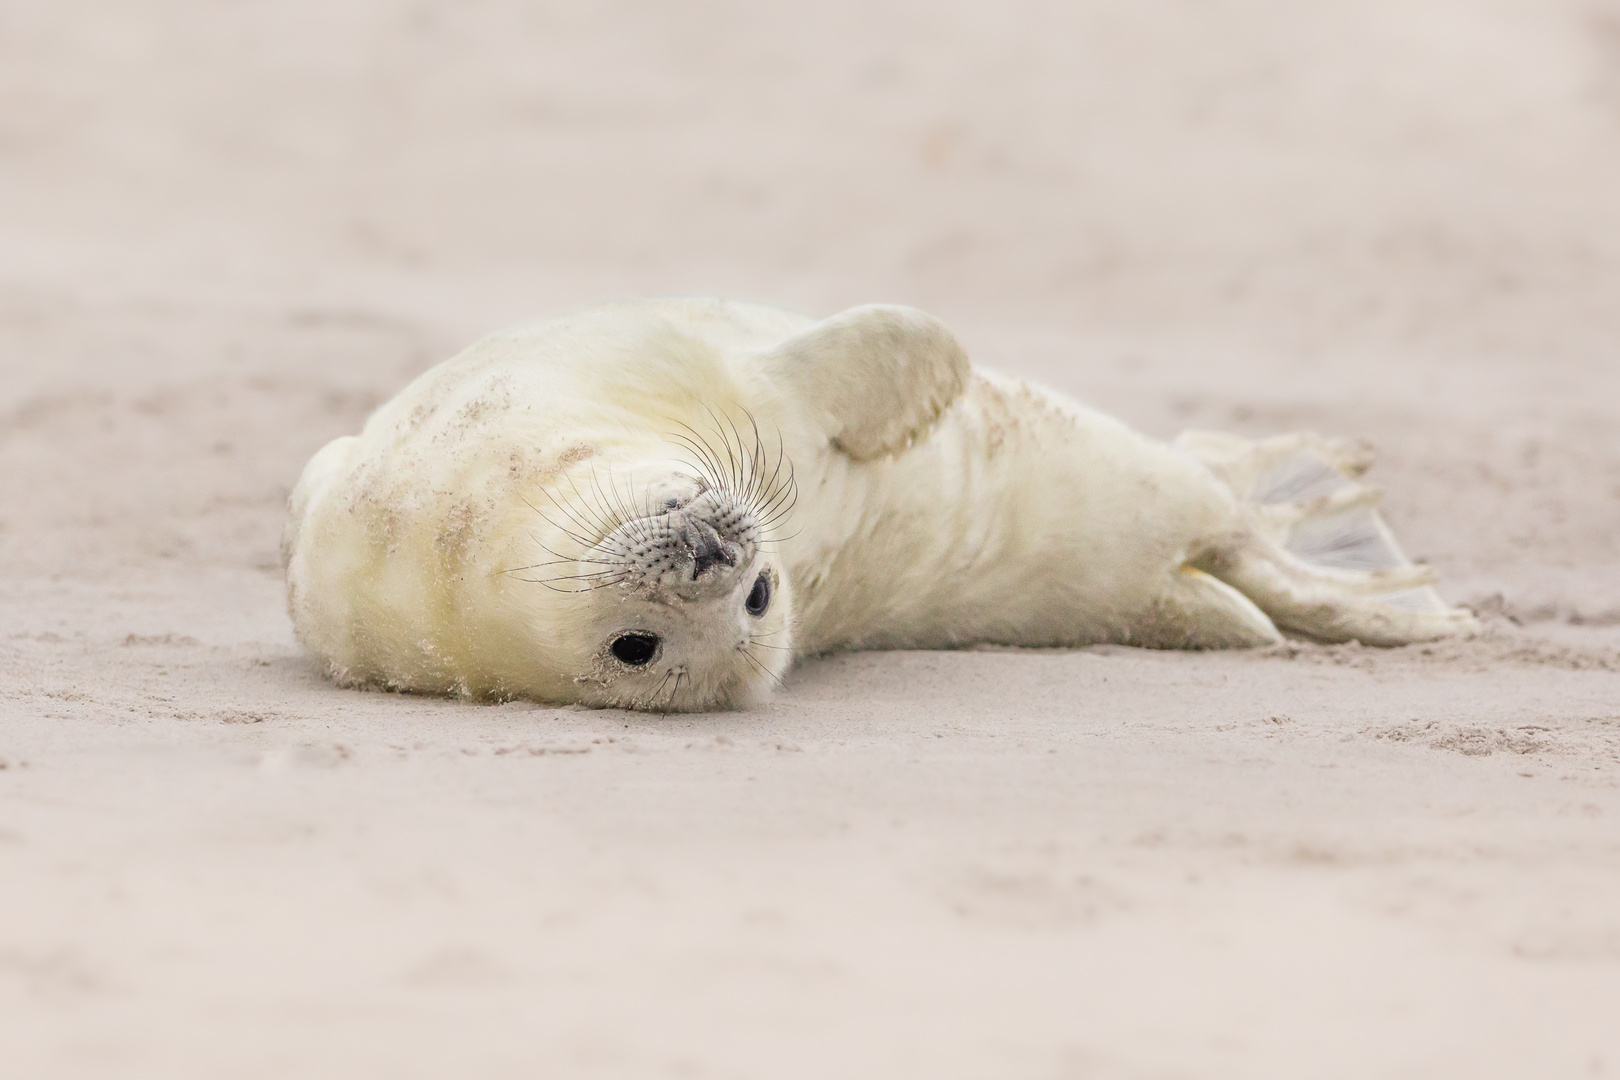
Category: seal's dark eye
<point>634,648</point>
<point>759,597</point>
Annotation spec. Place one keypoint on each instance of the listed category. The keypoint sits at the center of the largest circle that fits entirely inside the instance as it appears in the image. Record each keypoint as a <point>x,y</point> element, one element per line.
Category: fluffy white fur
<point>499,525</point>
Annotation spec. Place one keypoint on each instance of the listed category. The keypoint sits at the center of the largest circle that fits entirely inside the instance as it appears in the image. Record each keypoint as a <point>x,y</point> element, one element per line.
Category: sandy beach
<point>228,232</point>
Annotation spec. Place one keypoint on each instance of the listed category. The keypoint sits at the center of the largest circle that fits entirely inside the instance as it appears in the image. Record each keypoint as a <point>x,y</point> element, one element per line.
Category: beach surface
<point>228,232</point>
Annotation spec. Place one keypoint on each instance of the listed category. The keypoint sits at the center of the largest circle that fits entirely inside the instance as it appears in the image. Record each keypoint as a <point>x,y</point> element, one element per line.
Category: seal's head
<point>661,588</point>
<point>579,512</point>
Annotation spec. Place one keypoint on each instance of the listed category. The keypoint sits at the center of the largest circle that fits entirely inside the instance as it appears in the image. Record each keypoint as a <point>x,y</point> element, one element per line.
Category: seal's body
<point>660,504</point>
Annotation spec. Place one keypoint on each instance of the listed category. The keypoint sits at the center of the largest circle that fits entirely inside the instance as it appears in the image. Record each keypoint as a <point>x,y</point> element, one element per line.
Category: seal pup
<point>660,504</point>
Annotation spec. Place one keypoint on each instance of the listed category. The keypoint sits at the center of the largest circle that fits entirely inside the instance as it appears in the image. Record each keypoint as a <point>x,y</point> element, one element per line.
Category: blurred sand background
<point>228,231</point>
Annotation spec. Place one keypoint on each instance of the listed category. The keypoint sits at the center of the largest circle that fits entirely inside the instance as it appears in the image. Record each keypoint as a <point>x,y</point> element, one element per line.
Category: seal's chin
<point>684,689</point>
<point>663,652</point>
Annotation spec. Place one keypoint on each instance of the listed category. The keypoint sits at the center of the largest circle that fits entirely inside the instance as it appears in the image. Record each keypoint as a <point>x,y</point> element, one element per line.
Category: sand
<point>229,231</point>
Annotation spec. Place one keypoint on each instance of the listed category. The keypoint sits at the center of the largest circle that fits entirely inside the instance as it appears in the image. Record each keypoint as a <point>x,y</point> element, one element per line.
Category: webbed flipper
<point>1317,557</point>
<point>874,378</point>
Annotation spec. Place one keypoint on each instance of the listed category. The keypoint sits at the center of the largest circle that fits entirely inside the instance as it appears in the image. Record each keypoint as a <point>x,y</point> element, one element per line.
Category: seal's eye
<point>634,648</point>
<point>759,597</point>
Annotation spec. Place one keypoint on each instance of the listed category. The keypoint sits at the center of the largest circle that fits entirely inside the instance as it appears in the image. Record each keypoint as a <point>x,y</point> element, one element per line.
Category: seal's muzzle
<point>694,549</point>
<point>708,549</point>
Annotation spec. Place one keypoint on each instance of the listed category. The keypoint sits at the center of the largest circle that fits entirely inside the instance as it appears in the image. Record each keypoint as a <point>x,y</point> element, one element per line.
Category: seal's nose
<point>708,550</point>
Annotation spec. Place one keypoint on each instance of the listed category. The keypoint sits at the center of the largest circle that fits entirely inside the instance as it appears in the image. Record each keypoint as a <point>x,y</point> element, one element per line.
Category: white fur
<point>937,506</point>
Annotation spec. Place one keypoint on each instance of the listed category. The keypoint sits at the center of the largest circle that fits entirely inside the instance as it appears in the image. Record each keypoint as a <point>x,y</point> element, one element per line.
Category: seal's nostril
<point>708,550</point>
<point>710,555</point>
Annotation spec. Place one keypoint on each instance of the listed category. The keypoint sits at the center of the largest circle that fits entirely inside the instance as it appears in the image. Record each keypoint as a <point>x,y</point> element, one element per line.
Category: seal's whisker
<point>721,470</point>
<point>742,455</point>
<point>613,549</point>
<point>612,506</point>
<point>548,551</point>
<point>731,457</point>
<point>612,520</point>
<point>777,541</point>
<point>635,522</point>
<point>746,474</point>
<point>599,527</point>
<point>756,461</point>
<point>772,522</point>
<point>567,509</point>
<point>687,442</point>
<point>701,447</point>
<point>782,512</point>
<point>601,577</point>
<point>600,524</point>
<point>788,485</point>
<point>743,651</point>
<point>558,562</point>
<point>586,576</point>
<point>763,670</point>
<point>702,472</point>
<point>781,455</point>
<point>714,468</point>
<point>609,499</point>
<point>779,508</point>
<point>609,493</point>
<point>762,457</point>
<point>658,690</point>
<point>743,475</point>
<point>541,515</point>
<point>589,588</point>
<point>769,489</point>
<point>674,691</point>
<point>565,531</point>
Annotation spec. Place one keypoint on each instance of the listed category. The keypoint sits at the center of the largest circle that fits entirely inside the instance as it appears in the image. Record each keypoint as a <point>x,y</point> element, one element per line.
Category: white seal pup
<point>660,504</point>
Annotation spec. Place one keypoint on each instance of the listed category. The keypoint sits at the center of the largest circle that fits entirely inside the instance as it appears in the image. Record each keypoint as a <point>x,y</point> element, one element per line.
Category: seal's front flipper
<point>874,378</point>
<point>1317,557</point>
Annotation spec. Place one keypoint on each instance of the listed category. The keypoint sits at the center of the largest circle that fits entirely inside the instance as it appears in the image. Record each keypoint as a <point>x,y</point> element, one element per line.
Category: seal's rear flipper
<point>1317,557</point>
